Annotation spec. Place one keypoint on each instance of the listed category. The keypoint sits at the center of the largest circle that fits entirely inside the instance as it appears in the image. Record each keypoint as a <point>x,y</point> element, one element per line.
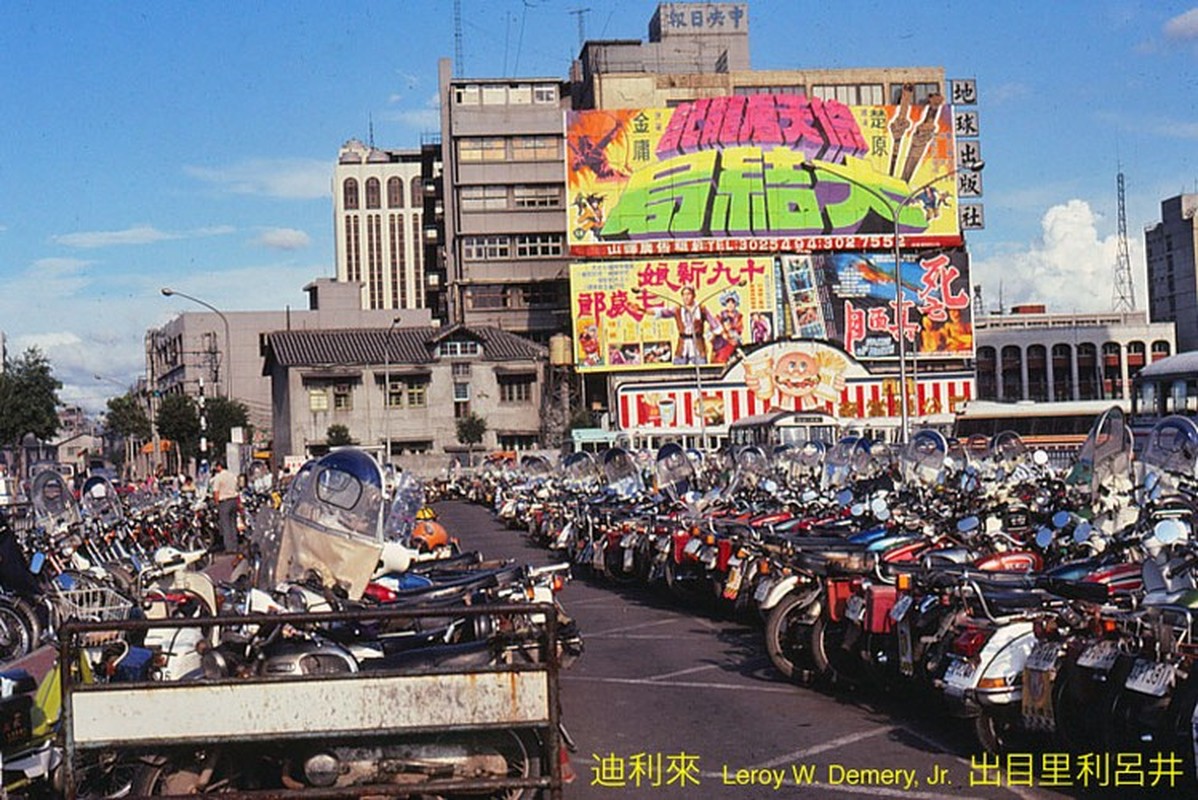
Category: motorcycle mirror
<point>1060,519</point>
<point>968,524</point>
<point>1043,538</point>
<point>857,509</point>
<point>1040,458</point>
<point>769,486</point>
<point>37,562</point>
<point>882,514</point>
<point>880,508</point>
<point>808,496</point>
<point>1082,533</point>
<point>844,497</point>
<point>1169,531</point>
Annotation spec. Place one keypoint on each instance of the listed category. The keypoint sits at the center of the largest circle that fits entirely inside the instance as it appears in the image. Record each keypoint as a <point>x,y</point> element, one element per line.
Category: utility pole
<point>1124,294</point>
<point>581,14</point>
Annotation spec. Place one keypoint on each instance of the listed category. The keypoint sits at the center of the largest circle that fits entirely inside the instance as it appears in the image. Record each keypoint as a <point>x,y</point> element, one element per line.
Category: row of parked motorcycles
<point>1053,608</point>
<point>349,539</point>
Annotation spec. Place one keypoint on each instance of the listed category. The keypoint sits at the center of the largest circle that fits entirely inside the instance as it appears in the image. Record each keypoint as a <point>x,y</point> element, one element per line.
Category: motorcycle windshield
<point>922,460</point>
<point>401,516</point>
<point>752,465</point>
<point>1106,452</point>
<point>100,502</point>
<point>674,471</point>
<point>621,471</point>
<point>841,459</point>
<point>1172,447</point>
<point>343,493</point>
<point>54,506</point>
<point>581,470</point>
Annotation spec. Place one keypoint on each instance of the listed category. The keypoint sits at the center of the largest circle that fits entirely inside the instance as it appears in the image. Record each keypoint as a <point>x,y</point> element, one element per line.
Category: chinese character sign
<point>658,313</point>
<point>863,312</point>
<point>733,169</point>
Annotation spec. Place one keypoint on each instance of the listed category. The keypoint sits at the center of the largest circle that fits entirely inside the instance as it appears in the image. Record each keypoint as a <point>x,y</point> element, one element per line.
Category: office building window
<point>463,347</point>
<point>494,95</point>
<point>538,245</point>
<point>395,193</point>
<point>483,198</point>
<point>480,248</point>
<point>482,148</point>
<point>868,94</point>
<point>920,92</point>
<point>466,95</point>
<point>417,394</point>
<point>318,399</point>
<point>396,389</point>
<point>535,148</point>
<point>373,193</point>
<point>537,196</point>
<point>343,398</point>
<point>488,297</point>
<point>461,369</point>
<point>544,93</point>
<point>461,392</point>
<point>519,94</point>
<point>751,90</point>
<point>349,194</point>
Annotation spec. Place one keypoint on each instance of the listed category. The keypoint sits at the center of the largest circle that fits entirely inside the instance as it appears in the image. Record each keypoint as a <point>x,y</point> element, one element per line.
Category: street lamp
<point>228,339</point>
<point>896,209</point>
<point>387,389</point>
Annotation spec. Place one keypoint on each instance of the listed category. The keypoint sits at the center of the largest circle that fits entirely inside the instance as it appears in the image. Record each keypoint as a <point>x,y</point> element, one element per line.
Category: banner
<point>849,298</point>
<point>661,313</point>
<point>721,174</point>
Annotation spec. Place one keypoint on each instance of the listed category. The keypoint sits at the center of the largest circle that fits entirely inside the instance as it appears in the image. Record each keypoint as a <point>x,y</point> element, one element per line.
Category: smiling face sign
<point>796,379</point>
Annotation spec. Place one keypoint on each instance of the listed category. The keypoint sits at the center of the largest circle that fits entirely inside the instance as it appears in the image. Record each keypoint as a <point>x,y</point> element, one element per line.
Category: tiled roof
<point>369,346</point>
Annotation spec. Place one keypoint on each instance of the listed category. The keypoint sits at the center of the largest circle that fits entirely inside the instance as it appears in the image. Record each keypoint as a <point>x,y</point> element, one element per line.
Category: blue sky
<point>148,144</point>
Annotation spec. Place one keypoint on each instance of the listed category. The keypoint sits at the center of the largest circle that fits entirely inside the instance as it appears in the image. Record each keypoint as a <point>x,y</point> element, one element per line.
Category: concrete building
<point>1172,255</point>
<point>193,346</point>
<point>1049,357</point>
<point>378,205</point>
<point>404,388</point>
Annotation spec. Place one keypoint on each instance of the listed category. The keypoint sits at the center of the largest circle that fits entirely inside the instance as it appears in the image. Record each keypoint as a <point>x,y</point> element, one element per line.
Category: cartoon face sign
<point>796,374</point>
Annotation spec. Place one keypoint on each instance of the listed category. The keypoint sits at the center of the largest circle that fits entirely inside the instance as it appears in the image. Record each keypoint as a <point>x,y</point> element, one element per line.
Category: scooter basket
<point>94,604</point>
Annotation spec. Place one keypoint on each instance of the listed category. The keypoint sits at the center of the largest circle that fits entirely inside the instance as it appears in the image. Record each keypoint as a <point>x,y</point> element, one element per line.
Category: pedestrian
<point>224,492</point>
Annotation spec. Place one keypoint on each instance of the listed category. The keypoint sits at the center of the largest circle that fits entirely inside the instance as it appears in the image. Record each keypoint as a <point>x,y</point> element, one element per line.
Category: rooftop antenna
<point>370,124</point>
<point>459,66</point>
<point>581,14</point>
<point>1123,296</point>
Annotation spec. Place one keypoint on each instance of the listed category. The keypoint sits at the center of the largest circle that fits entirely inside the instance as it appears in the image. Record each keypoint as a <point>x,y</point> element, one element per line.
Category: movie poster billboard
<point>850,298</point>
<point>673,311</point>
<point>760,173</point>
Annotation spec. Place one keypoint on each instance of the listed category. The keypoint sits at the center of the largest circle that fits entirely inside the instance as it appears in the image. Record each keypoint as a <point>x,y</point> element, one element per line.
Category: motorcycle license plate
<point>709,557</point>
<point>1043,656</point>
<point>1100,656</point>
<point>1150,677</point>
<point>1037,708</point>
<point>763,590</point>
<point>905,650</point>
<point>732,584</point>
<point>854,609</point>
<point>692,546</point>
<point>16,723</point>
<point>901,607</point>
<point>958,676</point>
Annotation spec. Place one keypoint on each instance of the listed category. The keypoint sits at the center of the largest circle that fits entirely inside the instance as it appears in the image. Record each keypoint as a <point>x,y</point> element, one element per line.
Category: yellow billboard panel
<point>672,311</point>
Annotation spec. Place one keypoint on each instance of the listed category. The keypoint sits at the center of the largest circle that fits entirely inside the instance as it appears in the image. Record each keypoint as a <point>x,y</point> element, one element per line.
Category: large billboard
<point>662,312</point>
<point>850,298</point>
<point>760,173</point>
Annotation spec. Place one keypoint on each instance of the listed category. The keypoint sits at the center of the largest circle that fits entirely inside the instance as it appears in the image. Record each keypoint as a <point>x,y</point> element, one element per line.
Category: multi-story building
<point>378,206</point>
<point>224,352</point>
<point>502,147</point>
<point>1172,251</point>
<point>404,388</point>
<point>1033,355</point>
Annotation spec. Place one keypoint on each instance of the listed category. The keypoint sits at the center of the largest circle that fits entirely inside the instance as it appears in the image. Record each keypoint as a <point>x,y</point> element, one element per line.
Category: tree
<point>28,399</point>
<point>470,432</point>
<point>178,419</point>
<point>127,417</point>
<point>223,416</point>
<point>338,435</point>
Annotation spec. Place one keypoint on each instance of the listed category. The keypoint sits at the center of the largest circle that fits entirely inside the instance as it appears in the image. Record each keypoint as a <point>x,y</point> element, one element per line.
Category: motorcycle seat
<point>446,656</point>
<point>1005,601</point>
<point>16,681</point>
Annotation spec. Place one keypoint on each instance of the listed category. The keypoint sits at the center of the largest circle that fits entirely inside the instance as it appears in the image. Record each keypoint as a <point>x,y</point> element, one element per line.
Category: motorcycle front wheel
<point>16,640</point>
<point>787,633</point>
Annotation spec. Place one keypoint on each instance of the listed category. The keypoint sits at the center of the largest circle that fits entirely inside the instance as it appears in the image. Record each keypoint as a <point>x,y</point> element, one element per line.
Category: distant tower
<point>979,304</point>
<point>1123,296</point>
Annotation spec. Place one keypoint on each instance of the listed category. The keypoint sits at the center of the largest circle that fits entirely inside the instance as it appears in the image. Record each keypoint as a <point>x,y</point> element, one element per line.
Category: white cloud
<point>289,178</point>
<point>1069,268</point>
<point>422,119</point>
<point>283,239</point>
<point>1183,27</point>
<point>61,266</point>
<point>137,235</point>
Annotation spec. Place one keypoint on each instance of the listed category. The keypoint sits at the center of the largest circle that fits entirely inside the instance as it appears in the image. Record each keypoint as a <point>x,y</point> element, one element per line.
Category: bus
<point>1058,428</point>
<point>1164,387</point>
<point>783,427</point>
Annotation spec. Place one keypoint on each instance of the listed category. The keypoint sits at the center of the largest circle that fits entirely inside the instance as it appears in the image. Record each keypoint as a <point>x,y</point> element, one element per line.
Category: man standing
<point>224,492</point>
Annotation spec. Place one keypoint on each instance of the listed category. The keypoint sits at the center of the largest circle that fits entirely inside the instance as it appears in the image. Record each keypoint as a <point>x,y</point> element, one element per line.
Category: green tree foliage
<point>178,419</point>
<point>28,398</point>
<point>471,429</point>
<point>223,416</point>
<point>338,435</point>
<point>127,417</point>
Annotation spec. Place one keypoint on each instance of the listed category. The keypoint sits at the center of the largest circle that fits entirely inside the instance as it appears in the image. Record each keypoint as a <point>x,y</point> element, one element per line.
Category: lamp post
<point>387,389</point>
<point>228,339</point>
<point>896,209</point>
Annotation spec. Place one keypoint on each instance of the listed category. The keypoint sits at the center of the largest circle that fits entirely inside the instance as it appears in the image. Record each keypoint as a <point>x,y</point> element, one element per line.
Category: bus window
<point>1177,397</point>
